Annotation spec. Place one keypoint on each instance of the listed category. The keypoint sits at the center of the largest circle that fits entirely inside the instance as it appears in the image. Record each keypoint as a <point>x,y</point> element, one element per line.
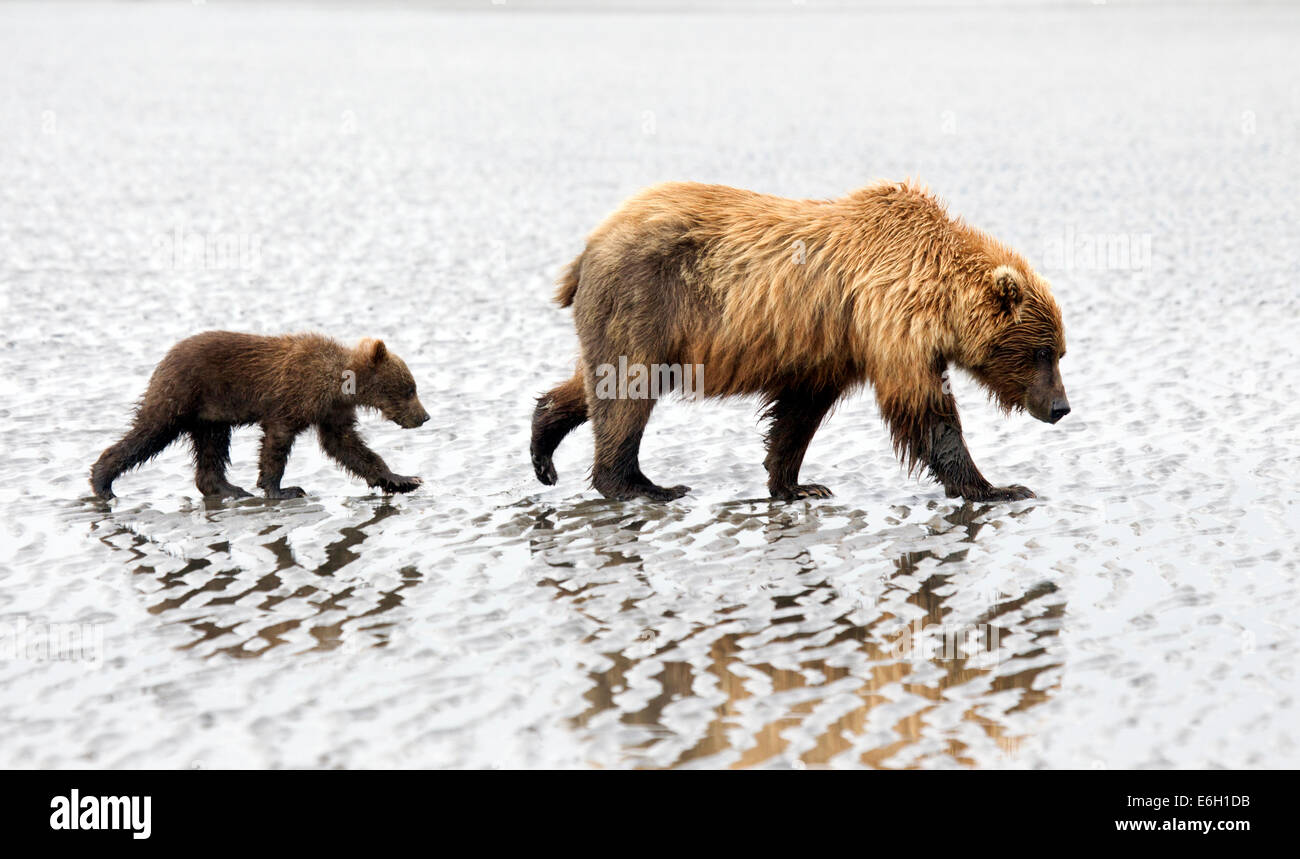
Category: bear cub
<point>212,382</point>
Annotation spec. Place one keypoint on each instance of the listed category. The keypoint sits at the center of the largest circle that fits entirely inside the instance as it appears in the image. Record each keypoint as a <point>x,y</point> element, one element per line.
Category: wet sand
<point>423,177</point>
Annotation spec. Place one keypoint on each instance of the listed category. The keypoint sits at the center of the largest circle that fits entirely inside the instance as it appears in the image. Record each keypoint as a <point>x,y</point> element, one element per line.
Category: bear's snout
<point>1045,399</point>
<point>1049,410</point>
<point>410,421</point>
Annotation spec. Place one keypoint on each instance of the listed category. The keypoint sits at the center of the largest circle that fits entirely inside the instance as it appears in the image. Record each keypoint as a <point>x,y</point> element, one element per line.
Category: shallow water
<point>423,177</point>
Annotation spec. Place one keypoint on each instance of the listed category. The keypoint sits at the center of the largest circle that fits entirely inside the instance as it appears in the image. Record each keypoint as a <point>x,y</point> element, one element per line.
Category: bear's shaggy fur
<point>800,301</point>
<point>217,380</point>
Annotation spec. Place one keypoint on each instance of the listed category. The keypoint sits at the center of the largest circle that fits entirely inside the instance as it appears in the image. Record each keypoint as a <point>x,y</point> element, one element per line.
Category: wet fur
<point>890,291</point>
<point>215,381</point>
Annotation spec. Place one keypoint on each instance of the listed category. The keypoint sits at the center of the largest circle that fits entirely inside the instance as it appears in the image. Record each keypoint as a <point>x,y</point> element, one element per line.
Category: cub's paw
<point>1000,493</point>
<point>286,492</point>
<point>802,490</point>
<point>398,483</point>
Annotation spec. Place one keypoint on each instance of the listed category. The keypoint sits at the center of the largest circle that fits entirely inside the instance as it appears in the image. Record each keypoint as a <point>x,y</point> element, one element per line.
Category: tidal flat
<point>423,176</point>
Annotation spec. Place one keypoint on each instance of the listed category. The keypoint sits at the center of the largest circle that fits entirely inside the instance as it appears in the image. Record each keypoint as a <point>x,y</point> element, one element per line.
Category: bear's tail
<point>569,282</point>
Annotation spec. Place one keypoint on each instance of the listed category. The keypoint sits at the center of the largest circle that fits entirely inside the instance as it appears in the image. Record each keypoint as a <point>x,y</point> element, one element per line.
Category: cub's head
<point>385,384</point>
<point>1016,341</point>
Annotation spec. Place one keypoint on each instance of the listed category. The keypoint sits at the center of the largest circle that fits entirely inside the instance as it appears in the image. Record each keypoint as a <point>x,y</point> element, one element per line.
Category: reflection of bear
<point>214,381</point>
<point>801,301</point>
<point>805,656</point>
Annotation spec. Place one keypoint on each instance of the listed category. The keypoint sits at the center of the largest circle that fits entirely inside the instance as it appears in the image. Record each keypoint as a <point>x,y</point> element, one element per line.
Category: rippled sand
<point>423,177</point>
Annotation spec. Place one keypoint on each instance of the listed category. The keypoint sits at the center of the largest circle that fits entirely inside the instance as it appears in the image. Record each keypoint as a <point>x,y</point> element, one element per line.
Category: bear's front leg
<point>277,441</point>
<point>944,451</point>
<point>342,443</point>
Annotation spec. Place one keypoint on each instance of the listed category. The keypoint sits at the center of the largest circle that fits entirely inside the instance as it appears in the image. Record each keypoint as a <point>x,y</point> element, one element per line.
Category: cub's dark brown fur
<point>799,302</point>
<point>217,380</point>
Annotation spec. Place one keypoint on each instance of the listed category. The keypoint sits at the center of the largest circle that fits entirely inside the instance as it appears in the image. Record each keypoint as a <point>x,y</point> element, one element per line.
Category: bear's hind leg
<point>559,411</point>
<point>211,443</point>
<point>795,415</point>
<point>618,425</point>
<point>144,441</point>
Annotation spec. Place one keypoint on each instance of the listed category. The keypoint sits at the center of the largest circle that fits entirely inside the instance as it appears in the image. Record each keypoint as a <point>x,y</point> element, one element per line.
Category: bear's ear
<point>1007,292</point>
<point>372,350</point>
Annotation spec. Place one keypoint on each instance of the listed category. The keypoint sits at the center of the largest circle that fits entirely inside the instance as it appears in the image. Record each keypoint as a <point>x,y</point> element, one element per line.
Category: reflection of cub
<point>217,380</point>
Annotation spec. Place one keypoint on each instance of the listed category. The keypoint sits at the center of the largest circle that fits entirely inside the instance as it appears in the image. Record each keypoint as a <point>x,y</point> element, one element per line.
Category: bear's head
<point>1014,340</point>
<point>384,383</point>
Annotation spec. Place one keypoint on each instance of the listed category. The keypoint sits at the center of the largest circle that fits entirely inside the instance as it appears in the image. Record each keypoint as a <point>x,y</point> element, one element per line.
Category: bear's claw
<point>802,490</point>
<point>1014,492</point>
<point>544,469</point>
<point>659,494</point>
<point>225,490</point>
<point>399,483</point>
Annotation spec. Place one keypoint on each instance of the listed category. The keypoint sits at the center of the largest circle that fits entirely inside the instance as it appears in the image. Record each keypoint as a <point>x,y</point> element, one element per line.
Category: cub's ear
<point>1007,292</point>
<point>372,350</point>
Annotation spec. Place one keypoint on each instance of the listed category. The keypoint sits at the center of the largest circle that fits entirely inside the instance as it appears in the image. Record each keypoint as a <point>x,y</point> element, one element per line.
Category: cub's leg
<point>211,456</point>
<point>342,443</point>
<point>795,415</point>
<point>277,441</point>
<point>618,425</point>
<point>559,411</point>
<point>145,440</point>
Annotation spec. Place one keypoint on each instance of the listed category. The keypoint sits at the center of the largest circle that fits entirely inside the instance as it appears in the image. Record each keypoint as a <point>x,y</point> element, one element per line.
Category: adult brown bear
<point>801,301</point>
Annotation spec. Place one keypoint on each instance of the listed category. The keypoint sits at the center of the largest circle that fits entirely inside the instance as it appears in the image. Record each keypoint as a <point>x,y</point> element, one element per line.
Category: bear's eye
<point>410,392</point>
<point>1043,355</point>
